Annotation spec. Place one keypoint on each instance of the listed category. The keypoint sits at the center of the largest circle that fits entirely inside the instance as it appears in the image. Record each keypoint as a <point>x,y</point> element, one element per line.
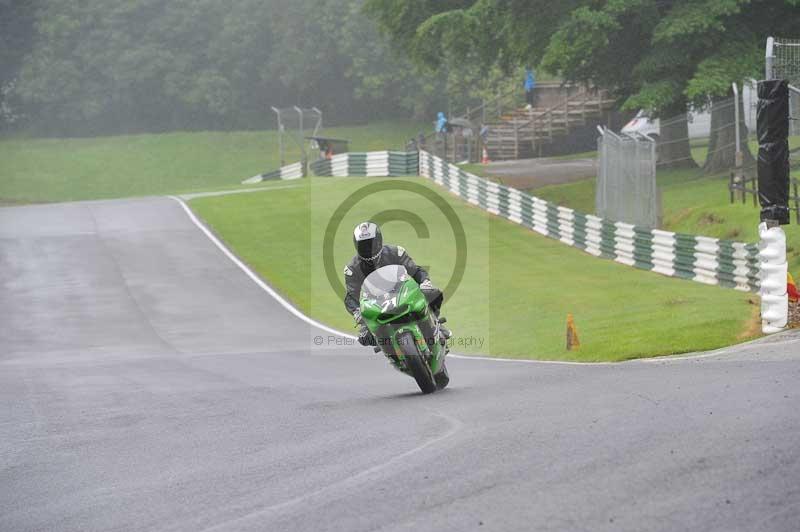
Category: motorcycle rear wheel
<point>416,364</point>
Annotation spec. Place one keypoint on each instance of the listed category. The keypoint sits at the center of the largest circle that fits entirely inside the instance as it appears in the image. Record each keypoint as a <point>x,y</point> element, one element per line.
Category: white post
<point>770,57</point>
<point>599,199</point>
<point>738,159</point>
<point>303,155</point>
<point>280,135</point>
<point>738,141</point>
<point>774,269</point>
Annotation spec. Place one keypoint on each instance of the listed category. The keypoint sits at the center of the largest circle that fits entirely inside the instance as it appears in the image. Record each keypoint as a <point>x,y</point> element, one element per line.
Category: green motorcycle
<point>397,312</point>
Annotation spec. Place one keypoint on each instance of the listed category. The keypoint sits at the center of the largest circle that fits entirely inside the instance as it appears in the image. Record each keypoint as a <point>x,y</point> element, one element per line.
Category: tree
<point>122,66</point>
<point>736,55</point>
<point>654,54</point>
<point>606,44</point>
<point>614,46</point>
<point>733,61</point>
<point>16,31</point>
<point>116,66</point>
<point>382,74</point>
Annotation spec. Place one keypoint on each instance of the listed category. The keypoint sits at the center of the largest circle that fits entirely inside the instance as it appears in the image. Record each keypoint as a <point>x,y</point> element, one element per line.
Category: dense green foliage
<point>656,54</point>
<point>92,67</point>
<point>16,36</point>
<point>661,55</point>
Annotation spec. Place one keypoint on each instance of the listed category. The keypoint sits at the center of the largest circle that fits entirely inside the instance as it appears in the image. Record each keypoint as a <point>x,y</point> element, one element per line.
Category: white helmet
<point>368,240</point>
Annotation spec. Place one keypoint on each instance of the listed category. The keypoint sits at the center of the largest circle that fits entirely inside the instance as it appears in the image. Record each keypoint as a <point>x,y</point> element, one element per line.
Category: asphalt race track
<point>147,383</point>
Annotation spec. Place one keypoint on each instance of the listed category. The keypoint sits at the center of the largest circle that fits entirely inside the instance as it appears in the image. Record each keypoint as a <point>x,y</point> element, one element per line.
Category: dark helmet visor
<point>368,248</point>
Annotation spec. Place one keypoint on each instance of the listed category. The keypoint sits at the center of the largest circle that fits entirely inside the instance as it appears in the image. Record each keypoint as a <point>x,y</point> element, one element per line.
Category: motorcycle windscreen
<point>385,280</point>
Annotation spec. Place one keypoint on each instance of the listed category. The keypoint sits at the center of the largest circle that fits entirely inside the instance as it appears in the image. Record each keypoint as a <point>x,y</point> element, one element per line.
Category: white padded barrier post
<point>774,268</point>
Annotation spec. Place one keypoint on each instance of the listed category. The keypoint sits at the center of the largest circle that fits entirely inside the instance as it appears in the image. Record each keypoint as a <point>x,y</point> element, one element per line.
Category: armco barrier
<point>290,171</point>
<point>702,259</point>
<point>698,258</point>
<point>377,164</point>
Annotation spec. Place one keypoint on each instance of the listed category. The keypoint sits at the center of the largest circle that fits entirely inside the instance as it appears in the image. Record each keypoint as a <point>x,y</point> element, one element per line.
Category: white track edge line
<point>291,308</point>
<point>213,194</point>
<point>264,286</point>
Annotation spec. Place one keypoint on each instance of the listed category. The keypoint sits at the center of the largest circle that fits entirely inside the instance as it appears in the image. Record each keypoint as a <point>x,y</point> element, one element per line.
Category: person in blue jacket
<point>441,123</point>
<point>530,85</point>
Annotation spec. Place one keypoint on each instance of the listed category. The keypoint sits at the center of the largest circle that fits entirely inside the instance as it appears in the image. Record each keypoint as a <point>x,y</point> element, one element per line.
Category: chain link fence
<point>626,180</point>
<point>783,62</point>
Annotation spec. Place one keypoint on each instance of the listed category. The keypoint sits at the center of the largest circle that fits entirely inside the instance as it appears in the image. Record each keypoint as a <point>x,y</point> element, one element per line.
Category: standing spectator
<point>484,133</point>
<point>442,129</point>
<point>530,85</point>
<point>441,123</point>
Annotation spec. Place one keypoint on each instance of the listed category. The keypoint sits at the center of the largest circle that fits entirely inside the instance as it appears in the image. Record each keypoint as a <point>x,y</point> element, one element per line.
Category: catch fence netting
<point>697,145</point>
<point>783,62</point>
<point>786,59</point>
<point>707,137</point>
<point>626,180</point>
<point>629,165</point>
<point>294,125</point>
<point>712,143</point>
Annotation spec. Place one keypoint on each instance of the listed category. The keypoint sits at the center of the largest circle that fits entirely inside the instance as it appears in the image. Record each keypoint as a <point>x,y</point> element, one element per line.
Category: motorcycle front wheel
<point>416,363</point>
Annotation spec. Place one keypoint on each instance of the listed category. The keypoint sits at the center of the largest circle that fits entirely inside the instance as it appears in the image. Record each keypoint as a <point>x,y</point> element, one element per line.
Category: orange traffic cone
<point>485,157</point>
<point>791,288</point>
<point>572,334</point>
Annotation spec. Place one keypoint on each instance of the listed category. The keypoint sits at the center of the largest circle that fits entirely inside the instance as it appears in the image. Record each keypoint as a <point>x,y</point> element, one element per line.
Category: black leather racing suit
<point>358,270</point>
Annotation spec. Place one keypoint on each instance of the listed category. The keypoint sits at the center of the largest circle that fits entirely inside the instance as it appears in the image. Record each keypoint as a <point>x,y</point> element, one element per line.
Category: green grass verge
<point>693,203</point>
<point>41,170</point>
<point>518,286</point>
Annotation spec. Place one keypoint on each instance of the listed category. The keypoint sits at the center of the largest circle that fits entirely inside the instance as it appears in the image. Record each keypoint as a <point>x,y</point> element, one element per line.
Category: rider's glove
<point>426,285</point>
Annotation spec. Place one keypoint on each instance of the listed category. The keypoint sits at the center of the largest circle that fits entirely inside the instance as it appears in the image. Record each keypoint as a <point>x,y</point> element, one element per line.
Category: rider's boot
<point>444,334</point>
<point>447,333</point>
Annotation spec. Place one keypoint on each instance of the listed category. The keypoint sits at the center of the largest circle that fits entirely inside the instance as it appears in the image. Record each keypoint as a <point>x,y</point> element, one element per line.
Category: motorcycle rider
<point>371,254</point>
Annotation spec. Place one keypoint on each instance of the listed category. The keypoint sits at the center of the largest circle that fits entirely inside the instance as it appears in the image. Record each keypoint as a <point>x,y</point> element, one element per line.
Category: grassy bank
<point>518,287</point>
<point>40,170</point>
<point>693,203</point>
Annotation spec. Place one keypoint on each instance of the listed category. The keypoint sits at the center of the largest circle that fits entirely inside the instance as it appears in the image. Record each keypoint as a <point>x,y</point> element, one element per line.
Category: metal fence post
<point>302,133</point>
<point>280,136</point>
<point>730,187</point>
<point>739,159</point>
<point>796,201</point>
<point>770,57</point>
